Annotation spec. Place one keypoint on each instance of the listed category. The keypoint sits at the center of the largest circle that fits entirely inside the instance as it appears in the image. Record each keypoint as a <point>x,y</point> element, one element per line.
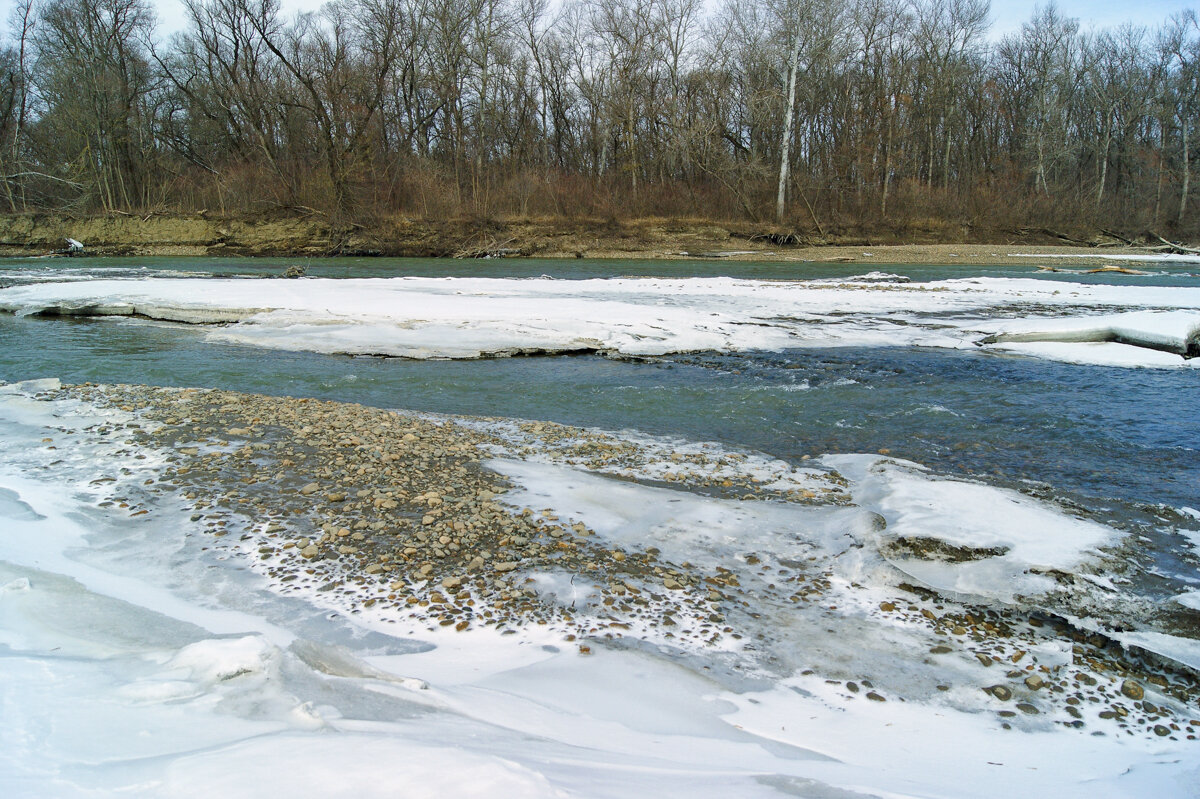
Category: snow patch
<point>969,538</point>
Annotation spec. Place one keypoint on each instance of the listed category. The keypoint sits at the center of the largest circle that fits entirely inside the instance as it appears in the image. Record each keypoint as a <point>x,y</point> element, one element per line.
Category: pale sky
<point>1007,15</point>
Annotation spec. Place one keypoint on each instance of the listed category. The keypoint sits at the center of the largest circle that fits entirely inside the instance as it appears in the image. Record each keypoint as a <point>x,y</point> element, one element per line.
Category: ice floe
<point>1170,332</point>
<point>475,317</point>
<point>969,538</point>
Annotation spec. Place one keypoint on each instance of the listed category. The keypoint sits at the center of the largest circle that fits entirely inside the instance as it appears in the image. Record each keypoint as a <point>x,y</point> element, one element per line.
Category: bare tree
<point>93,76</point>
<point>811,27</point>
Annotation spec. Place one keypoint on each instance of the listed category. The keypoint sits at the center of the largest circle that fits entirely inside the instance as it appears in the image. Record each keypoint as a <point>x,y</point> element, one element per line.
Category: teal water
<point>30,269</point>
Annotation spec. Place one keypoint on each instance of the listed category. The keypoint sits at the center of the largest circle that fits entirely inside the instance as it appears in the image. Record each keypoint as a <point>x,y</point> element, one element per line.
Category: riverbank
<point>281,586</point>
<point>420,523</point>
<point>313,236</point>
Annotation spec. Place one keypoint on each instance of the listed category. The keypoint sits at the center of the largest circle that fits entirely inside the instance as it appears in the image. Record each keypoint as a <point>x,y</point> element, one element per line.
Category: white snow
<point>165,674</point>
<point>1169,332</point>
<point>475,317</point>
<point>1027,537</point>
<point>1189,600</point>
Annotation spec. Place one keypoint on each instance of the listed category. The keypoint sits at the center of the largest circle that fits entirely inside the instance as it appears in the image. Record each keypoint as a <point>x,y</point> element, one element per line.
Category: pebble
<point>1132,690</point>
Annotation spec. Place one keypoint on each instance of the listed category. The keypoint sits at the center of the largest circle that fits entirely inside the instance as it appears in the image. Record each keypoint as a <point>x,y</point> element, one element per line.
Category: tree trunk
<point>1158,182</point>
<point>1104,160</point>
<point>887,157</point>
<point>1187,172</point>
<point>786,144</point>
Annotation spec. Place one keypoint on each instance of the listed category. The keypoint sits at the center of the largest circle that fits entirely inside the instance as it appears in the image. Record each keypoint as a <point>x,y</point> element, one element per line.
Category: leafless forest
<point>806,113</point>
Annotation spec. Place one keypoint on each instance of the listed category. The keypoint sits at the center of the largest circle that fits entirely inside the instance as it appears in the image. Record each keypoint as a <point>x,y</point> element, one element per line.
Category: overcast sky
<point>1007,15</point>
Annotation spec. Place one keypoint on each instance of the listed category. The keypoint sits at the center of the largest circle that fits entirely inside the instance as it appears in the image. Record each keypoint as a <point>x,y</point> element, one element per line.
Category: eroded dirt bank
<point>308,236</point>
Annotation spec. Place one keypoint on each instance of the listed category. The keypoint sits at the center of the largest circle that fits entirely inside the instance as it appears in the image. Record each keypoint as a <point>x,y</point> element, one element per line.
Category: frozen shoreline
<point>656,707</point>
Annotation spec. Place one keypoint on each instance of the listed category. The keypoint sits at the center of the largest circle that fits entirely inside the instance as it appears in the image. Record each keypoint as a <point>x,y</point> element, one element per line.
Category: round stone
<point>1132,690</point>
<point>1001,692</point>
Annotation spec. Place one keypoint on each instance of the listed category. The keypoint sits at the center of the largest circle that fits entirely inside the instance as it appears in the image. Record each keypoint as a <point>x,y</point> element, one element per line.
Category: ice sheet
<point>472,317</point>
<point>1167,332</point>
<point>684,526</point>
<point>1001,544</point>
<point>1173,647</point>
<point>970,755</point>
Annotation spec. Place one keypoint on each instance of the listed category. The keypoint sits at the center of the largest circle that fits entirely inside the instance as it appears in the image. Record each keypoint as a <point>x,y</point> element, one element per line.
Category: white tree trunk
<point>1187,172</point>
<point>785,148</point>
<point>1103,179</point>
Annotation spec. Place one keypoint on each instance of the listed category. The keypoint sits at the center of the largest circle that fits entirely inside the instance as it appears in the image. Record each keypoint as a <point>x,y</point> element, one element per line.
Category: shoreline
<point>404,518</point>
<point>159,235</point>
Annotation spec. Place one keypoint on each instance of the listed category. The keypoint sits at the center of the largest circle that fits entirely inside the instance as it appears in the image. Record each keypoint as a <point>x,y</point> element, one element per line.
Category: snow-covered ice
<point>133,662</point>
<point>475,317</point>
<point>1121,339</point>
<point>1004,544</point>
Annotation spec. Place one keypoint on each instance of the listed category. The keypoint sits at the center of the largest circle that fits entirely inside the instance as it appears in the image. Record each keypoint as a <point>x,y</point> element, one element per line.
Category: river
<point>1114,446</point>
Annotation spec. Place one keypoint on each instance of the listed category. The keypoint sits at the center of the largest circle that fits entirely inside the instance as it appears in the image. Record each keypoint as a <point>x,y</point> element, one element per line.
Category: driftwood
<point>1172,247</point>
<point>1118,237</point>
<point>1124,270</point>
<point>493,252</point>
<point>1054,234</point>
<point>718,254</point>
<point>778,239</point>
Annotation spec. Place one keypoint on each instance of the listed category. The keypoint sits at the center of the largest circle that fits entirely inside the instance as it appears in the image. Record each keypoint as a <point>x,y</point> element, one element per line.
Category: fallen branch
<point>16,175</point>
<point>1054,234</point>
<point>1177,249</point>
<point>1117,236</point>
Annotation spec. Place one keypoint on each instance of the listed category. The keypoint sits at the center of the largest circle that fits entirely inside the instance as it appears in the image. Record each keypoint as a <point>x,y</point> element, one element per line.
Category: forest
<point>803,114</point>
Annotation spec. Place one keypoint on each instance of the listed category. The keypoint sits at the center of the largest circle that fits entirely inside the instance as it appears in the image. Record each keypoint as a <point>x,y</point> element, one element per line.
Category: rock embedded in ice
<point>1132,690</point>
<point>1001,692</point>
